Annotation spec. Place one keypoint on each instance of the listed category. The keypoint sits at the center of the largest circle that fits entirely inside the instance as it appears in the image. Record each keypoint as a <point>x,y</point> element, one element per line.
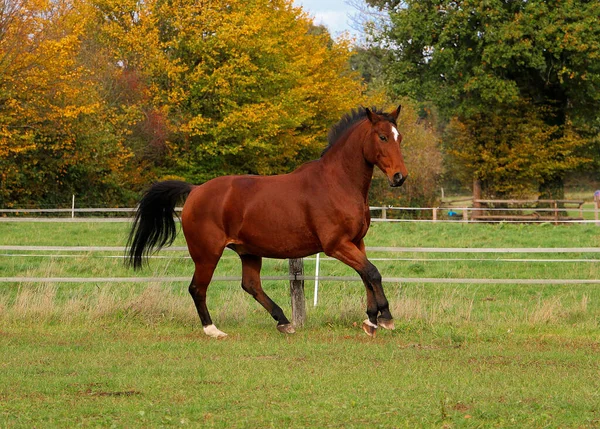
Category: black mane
<point>347,121</point>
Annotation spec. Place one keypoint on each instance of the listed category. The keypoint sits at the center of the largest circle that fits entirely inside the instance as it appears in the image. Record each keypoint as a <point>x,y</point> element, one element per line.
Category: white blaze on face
<point>395,133</point>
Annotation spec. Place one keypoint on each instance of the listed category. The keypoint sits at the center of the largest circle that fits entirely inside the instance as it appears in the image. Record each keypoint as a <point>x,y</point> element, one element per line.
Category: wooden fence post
<point>297,292</point>
<point>476,199</point>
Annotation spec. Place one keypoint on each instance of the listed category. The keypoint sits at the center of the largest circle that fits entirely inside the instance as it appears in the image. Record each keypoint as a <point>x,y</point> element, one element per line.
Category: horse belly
<point>274,235</point>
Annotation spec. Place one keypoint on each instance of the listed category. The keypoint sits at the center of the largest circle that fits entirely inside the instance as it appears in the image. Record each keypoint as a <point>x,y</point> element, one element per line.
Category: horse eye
<point>382,137</point>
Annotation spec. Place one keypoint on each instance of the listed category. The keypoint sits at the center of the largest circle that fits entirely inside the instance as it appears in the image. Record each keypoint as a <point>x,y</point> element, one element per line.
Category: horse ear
<point>373,117</point>
<point>396,113</point>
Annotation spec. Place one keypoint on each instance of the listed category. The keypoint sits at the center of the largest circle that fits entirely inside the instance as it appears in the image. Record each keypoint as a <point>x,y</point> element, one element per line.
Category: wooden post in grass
<point>476,199</point>
<point>297,292</point>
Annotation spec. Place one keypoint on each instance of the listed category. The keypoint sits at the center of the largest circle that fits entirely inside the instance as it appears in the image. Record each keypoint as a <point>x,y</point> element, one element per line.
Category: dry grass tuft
<point>155,303</point>
<point>37,302</point>
<point>545,311</point>
<point>42,303</point>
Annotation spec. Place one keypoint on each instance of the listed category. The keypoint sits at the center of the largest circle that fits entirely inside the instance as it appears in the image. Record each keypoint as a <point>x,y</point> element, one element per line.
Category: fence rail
<point>386,213</point>
<point>428,280</point>
<point>368,248</point>
<point>297,277</point>
<point>316,278</point>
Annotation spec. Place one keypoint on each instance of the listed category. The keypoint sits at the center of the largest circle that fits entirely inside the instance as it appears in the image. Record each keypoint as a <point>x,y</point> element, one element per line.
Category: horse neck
<point>345,162</point>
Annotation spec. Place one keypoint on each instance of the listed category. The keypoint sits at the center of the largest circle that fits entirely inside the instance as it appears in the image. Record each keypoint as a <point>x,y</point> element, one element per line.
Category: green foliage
<point>516,161</point>
<point>471,54</point>
<point>477,59</point>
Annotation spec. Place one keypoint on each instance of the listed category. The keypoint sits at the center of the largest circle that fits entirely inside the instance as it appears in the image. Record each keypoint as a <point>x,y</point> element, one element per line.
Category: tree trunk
<point>553,188</point>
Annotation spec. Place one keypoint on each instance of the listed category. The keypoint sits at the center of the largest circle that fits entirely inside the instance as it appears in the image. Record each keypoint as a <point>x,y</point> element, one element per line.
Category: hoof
<point>386,323</point>
<point>213,332</point>
<point>288,328</point>
<point>369,328</point>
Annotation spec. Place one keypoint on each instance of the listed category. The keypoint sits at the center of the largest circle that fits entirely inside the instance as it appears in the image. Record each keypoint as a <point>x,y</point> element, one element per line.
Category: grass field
<point>134,355</point>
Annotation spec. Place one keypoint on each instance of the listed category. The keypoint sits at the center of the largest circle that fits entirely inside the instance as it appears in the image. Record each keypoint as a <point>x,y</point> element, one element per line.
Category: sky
<point>334,14</point>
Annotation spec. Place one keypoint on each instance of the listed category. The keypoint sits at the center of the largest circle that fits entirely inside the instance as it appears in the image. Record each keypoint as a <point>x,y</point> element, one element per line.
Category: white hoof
<point>369,328</point>
<point>212,331</point>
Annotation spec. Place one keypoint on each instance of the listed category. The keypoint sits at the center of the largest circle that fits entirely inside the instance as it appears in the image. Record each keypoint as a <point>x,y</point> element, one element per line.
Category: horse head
<point>383,146</point>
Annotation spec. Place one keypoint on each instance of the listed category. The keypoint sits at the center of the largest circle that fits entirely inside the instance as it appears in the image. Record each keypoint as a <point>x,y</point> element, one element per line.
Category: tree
<point>49,109</point>
<point>233,86</point>
<point>99,97</point>
<point>474,58</point>
<point>509,163</point>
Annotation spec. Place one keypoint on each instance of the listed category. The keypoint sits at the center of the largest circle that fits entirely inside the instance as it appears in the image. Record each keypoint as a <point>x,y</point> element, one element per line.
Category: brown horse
<point>321,206</point>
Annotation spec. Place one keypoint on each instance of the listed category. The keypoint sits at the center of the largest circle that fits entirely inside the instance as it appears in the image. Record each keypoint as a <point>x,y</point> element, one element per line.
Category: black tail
<point>154,226</point>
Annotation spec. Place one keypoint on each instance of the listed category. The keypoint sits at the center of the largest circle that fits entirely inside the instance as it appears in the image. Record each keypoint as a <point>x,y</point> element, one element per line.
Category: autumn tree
<point>53,128</point>
<point>498,62</point>
<point>227,87</point>
<point>99,97</point>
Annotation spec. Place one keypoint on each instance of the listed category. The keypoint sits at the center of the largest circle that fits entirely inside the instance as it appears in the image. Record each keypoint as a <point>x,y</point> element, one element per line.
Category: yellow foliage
<point>245,86</point>
<point>513,150</point>
<point>106,94</point>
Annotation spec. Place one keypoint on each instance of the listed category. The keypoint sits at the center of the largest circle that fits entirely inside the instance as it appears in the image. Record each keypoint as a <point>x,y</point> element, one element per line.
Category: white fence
<point>76,251</point>
<point>385,214</point>
<point>296,277</point>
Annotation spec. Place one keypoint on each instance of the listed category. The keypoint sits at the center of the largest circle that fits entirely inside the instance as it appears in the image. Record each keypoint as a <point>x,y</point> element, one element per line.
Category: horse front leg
<point>377,303</point>
<point>372,282</point>
<point>385,319</point>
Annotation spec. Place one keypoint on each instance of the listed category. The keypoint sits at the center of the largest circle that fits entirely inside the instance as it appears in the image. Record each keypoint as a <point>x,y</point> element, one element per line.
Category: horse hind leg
<point>251,283</point>
<point>198,286</point>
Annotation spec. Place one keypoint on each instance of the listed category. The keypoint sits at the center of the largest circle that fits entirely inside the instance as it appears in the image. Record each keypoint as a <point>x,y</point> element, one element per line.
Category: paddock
<point>481,353</point>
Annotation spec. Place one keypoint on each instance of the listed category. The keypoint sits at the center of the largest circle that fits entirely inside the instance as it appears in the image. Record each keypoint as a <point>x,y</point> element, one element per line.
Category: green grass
<point>134,355</point>
<point>134,375</point>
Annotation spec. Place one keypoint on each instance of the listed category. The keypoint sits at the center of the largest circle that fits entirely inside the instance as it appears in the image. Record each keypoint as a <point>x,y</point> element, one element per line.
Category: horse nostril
<point>398,179</point>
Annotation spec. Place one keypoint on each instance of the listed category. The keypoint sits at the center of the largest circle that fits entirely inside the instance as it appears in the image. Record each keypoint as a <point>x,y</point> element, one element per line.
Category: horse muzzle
<point>397,180</point>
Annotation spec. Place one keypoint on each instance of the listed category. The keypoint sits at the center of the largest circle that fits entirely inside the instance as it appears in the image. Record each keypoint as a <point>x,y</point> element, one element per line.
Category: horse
<point>322,206</point>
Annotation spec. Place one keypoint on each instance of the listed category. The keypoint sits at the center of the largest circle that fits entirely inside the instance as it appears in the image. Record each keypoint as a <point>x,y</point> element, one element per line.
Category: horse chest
<point>355,220</point>
<point>365,223</point>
